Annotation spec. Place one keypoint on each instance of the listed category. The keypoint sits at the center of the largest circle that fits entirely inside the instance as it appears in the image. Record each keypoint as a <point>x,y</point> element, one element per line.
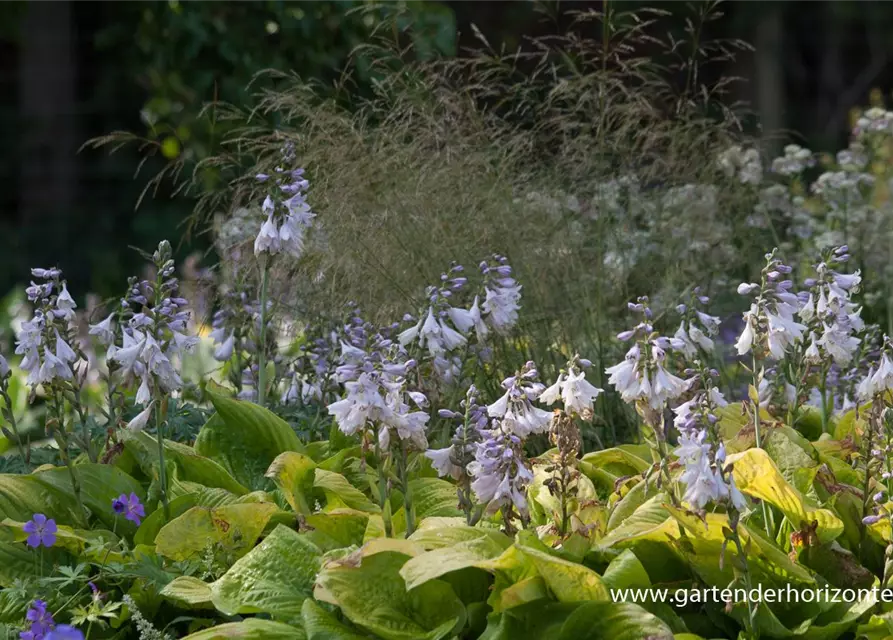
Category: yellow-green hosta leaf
<point>150,527</point>
<point>274,578</point>
<point>372,594</point>
<point>21,496</point>
<point>617,461</point>
<point>235,528</point>
<point>319,624</point>
<point>100,485</point>
<point>436,533</point>
<point>183,459</point>
<point>438,562</point>
<point>626,571</point>
<point>340,493</point>
<point>188,592</point>
<point>72,540</point>
<point>338,528</point>
<point>704,541</point>
<point>518,594</point>
<point>613,621</point>
<point>251,629</point>
<point>293,473</point>
<point>245,439</point>
<point>757,475</point>
<point>650,521</point>
<point>569,581</point>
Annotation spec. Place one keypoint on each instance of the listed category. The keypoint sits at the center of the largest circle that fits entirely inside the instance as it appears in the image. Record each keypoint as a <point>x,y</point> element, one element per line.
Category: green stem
<point>262,346</point>
<point>755,402</point>
<point>751,607</point>
<point>407,493</point>
<point>162,469</point>
<point>383,492</point>
<point>10,416</point>
<point>823,389</point>
<point>85,429</point>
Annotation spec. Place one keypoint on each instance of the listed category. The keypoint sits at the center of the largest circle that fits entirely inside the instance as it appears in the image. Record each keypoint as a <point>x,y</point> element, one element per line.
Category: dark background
<point>71,71</point>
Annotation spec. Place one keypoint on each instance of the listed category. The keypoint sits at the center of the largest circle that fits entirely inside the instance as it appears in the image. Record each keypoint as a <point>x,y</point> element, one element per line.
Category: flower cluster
<point>153,324</point>
<point>453,460</point>
<point>743,164</point>
<point>288,214</point>
<point>704,476</point>
<point>643,376</point>
<point>46,341</point>
<point>696,328</point>
<point>769,323</point>
<point>376,393</point>
<point>878,380</point>
<point>573,390</point>
<point>829,309</point>
<point>500,471</point>
<point>515,410</point>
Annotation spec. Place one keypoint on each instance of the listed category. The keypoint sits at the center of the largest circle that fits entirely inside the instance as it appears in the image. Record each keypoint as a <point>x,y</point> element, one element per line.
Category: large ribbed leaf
<point>245,439</point>
<point>274,578</point>
<point>21,496</point>
<point>234,527</point>
<point>251,629</point>
<point>373,595</point>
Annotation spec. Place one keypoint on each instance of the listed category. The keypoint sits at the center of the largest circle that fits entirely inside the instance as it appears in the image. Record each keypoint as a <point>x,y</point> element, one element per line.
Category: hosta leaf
<point>650,521</point>
<point>251,629</point>
<point>294,474</point>
<point>188,592</point>
<point>569,581</point>
<point>339,528</point>
<point>617,462</point>
<point>245,438</point>
<point>100,485</point>
<point>189,465</point>
<point>20,564</point>
<point>436,563</point>
<point>626,571</point>
<point>635,498</point>
<point>433,497</point>
<point>613,621</point>
<point>765,559</point>
<point>155,520</point>
<point>340,493</point>
<point>319,624</point>
<point>275,577</point>
<point>21,496</point>
<point>235,528</point>
<point>72,540</point>
<point>436,533</point>
<point>372,594</point>
<point>758,476</point>
<point>529,621</point>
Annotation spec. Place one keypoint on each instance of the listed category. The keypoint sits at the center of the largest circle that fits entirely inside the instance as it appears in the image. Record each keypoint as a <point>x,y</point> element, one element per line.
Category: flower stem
<point>262,346</point>
<point>10,416</point>
<point>383,492</point>
<point>407,493</point>
<point>755,403</point>
<point>162,468</point>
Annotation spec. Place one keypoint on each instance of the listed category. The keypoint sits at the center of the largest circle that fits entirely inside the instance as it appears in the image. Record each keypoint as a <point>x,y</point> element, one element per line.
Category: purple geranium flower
<point>41,621</point>
<point>64,632</point>
<point>130,506</point>
<point>41,531</point>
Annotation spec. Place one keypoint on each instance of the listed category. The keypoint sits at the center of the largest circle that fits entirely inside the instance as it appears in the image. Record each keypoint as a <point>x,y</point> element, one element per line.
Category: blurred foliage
<point>189,56</point>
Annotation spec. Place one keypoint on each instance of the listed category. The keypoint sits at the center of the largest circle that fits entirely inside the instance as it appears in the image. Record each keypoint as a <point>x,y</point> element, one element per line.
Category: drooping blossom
<point>696,328</point>
<point>515,408</point>
<point>453,460</point>
<point>573,390</point>
<point>502,294</point>
<point>643,376</point>
<point>769,323</point>
<point>500,472</point>
<point>287,214</point>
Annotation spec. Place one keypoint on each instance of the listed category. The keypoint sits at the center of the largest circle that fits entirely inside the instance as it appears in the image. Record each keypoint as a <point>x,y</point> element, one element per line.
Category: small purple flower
<point>41,530</point>
<point>41,621</point>
<point>64,632</point>
<point>130,506</point>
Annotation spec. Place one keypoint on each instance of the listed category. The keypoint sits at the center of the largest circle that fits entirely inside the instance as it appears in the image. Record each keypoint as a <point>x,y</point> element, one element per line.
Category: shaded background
<point>70,71</point>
